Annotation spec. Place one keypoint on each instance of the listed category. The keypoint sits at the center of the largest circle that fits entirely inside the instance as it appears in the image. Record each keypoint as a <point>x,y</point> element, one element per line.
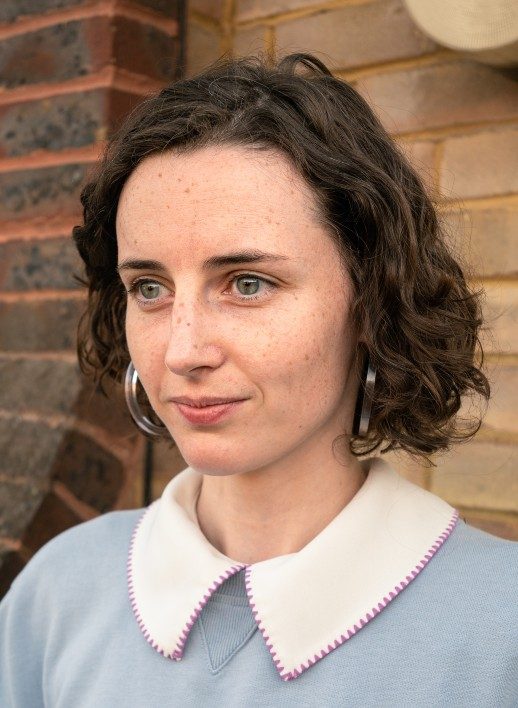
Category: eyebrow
<point>246,256</point>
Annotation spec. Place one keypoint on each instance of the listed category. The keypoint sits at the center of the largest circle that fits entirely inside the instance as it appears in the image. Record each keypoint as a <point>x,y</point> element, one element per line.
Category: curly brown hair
<point>412,307</point>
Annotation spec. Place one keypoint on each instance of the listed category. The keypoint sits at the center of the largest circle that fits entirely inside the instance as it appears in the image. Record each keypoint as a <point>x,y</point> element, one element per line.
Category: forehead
<point>218,196</point>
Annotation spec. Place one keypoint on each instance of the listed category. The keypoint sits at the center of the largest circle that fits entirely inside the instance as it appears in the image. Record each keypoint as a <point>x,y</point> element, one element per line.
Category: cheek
<point>146,345</point>
<point>309,356</point>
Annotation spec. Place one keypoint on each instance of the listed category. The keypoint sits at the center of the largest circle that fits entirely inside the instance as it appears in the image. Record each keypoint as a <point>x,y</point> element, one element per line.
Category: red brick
<point>66,121</point>
<point>53,517</point>
<point>144,49</point>
<point>70,49</point>
<point>58,384</point>
<point>107,412</point>
<point>478,475</point>
<point>485,238</point>
<point>355,35</point>
<point>61,389</point>
<point>41,325</point>
<point>55,53</point>
<point>170,8</point>
<point>10,565</point>
<point>456,93</point>
<point>72,120</point>
<point>35,452</point>
<point>28,448</point>
<point>44,192</point>
<point>35,265</point>
<point>480,165</point>
<point>119,105</point>
<point>11,10</point>
<point>89,471</point>
<point>18,505</point>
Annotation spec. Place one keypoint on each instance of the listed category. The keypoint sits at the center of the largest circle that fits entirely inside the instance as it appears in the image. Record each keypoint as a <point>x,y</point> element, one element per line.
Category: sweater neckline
<point>306,604</point>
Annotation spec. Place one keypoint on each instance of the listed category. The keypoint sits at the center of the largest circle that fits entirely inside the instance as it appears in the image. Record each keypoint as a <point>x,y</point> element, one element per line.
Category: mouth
<point>208,414</point>
<point>203,401</point>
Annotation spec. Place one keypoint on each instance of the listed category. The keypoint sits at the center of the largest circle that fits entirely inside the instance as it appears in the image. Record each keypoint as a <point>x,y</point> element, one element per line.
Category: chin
<point>224,454</point>
<point>214,462</point>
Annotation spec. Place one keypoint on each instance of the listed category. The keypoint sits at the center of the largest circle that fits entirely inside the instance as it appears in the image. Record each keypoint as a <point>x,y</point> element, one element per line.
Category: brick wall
<point>69,71</point>
<point>458,122</point>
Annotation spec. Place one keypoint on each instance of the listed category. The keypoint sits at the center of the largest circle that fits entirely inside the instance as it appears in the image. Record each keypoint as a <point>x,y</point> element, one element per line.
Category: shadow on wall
<point>60,466</point>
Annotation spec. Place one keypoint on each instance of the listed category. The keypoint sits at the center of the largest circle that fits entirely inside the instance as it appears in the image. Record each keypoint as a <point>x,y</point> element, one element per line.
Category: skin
<point>271,477</point>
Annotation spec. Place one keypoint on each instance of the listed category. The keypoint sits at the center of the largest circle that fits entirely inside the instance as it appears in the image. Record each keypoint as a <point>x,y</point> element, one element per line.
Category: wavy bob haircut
<point>412,307</point>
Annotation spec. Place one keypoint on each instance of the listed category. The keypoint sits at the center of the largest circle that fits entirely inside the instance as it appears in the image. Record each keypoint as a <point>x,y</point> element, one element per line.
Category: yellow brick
<point>249,41</point>
<point>209,8</point>
<point>421,156</point>
<point>497,524</point>
<point>355,35</point>
<point>500,417</point>
<point>485,238</point>
<point>247,10</point>
<point>500,311</point>
<point>203,47</point>
<point>480,165</point>
<point>441,95</point>
<point>478,475</point>
<point>502,524</point>
<point>502,413</point>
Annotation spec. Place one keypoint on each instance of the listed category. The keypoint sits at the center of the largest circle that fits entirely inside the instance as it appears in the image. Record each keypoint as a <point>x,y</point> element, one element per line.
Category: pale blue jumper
<point>69,639</point>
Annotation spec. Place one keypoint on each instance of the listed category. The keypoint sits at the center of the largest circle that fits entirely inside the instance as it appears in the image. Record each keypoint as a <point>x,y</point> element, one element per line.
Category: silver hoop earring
<point>130,392</point>
<point>366,396</point>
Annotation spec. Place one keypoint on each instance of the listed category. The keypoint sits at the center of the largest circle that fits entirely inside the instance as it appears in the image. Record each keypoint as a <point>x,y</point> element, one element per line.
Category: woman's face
<point>274,331</point>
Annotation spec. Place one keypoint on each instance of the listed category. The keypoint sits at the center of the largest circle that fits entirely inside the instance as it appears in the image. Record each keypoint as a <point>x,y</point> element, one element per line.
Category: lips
<point>208,414</point>
<point>204,401</point>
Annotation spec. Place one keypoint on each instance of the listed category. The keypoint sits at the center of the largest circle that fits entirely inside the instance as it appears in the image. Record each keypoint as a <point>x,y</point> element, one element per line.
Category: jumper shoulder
<point>480,572</point>
<point>89,547</point>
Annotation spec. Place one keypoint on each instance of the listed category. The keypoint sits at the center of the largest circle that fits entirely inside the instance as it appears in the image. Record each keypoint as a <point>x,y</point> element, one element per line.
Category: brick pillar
<point>69,71</point>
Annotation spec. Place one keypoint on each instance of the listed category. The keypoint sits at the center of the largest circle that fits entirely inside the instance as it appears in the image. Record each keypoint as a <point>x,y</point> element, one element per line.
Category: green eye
<point>149,290</point>
<point>251,284</point>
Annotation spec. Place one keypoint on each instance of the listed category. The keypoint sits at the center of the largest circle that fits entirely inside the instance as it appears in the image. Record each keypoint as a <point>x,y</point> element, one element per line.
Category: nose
<point>191,344</point>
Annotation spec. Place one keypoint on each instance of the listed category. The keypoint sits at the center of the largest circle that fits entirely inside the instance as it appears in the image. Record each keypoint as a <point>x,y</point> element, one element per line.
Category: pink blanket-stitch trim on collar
<point>285,675</point>
<point>288,675</point>
<point>178,651</point>
<point>131,588</point>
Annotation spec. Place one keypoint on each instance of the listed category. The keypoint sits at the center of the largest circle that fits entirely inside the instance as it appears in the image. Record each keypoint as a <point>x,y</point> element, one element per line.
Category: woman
<point>258,250</point>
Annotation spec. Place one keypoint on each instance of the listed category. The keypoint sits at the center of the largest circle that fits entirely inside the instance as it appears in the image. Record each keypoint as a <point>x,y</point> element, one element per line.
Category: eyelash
<point>132,290</point>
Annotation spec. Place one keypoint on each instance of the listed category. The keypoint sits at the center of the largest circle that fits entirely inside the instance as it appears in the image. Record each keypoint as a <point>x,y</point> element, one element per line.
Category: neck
<point>257,515</point>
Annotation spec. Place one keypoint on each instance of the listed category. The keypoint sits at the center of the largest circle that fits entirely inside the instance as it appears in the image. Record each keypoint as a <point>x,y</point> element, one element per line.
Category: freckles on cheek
<point>317,351</point>
<point>144,344</point>
<point>134,336</point>
<point>294,353</point>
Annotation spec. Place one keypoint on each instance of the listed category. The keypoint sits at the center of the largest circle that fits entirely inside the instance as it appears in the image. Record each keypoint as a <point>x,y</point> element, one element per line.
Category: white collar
<point>306,603</point>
